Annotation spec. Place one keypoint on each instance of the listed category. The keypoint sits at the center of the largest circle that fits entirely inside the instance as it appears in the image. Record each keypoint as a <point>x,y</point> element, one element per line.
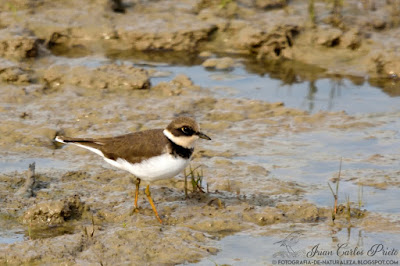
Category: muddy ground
<point>79,211</point>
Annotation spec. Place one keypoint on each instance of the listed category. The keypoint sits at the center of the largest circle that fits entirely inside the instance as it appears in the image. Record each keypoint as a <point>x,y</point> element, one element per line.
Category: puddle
<point>321,95</point>
<point>7,235</point>
<point>87,61</point>
<point>7,165</point>
<point>374,200</point>
<point>310,158</point>
<point>299,152</point>
<point>11,236</point>
<point>307,247</point>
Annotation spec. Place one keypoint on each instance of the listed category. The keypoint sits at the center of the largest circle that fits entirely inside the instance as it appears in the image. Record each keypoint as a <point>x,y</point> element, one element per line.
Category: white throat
<point>184,141</point>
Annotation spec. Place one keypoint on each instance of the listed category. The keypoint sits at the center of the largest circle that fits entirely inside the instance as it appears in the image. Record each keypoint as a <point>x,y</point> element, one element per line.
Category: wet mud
<point>60,74</point>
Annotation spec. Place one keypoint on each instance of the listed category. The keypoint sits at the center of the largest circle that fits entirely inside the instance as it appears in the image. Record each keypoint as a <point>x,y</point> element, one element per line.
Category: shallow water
<point>242,249</point>
<point>11,236</point>
<point>322,161</point>
<point>324,94</point>
<point>374,200</point>
<point>42,164</point>
<point>321,94</point>
<point>323,151</point>
<point>310,158</point>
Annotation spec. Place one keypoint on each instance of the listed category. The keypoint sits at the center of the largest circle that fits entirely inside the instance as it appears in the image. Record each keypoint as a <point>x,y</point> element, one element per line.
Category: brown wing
<point>133,147</point>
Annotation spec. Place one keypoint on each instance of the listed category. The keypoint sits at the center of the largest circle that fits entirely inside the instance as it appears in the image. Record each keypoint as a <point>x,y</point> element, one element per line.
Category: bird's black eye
<point>187,130</point>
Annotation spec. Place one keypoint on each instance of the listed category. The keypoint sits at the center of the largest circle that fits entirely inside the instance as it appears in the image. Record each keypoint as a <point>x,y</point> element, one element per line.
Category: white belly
<point>156,168</point>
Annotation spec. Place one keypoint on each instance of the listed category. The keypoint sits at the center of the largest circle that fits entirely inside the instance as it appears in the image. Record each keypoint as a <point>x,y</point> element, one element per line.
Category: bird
<point>289,241</point>
<point>149,155</point>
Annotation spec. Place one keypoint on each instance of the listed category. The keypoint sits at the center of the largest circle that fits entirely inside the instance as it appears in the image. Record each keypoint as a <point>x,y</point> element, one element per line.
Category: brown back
<point>133,147</point>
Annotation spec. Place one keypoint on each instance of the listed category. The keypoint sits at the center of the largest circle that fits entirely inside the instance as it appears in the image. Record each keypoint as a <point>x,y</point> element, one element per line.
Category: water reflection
<point>389,85</point>
<point>334,93</point>
<point>288,72</point>
<point>296,84</point>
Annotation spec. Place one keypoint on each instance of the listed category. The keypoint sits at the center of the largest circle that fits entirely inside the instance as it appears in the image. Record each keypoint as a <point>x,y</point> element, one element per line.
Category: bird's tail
<point>66,140</point>
<point>86,143</point>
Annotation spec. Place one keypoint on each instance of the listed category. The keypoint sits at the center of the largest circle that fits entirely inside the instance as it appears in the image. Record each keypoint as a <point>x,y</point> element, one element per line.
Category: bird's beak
<point>203,136</point>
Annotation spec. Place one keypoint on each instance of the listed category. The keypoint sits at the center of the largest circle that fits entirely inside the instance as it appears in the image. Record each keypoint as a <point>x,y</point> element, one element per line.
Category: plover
<point>150,154</point>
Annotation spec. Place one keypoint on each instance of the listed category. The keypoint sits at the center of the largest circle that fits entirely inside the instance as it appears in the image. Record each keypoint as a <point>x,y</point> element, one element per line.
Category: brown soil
<point>80,214</point>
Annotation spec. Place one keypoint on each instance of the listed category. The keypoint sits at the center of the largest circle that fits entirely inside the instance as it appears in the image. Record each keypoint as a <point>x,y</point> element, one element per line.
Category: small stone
<point>329,37</point>
<point>183,80</point>
<point>268,4</point>
<point>205,54</point>
<point>219,63</point>
<point>379,23</point>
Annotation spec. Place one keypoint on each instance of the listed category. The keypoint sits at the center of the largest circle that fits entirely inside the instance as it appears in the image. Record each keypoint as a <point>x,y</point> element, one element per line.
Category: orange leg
<point>147,192</point>
<point>136,209</point>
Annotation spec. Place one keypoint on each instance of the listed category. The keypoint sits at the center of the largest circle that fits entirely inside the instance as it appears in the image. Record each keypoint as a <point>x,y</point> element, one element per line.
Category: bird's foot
<point>135,210</point>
